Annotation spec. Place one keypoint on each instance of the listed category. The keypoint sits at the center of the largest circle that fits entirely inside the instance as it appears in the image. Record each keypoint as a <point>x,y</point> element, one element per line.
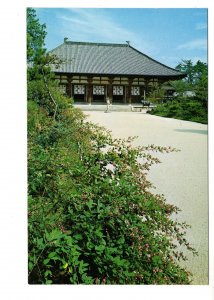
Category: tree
<point>201,81</point>
<point>180,86</point>
<point>35,37</point>
<point>200,71</point>
<point>195,72</point>
<point>187,67</point>
<point>196,80</point>
<point>190,106</point>
<point>39,61</point>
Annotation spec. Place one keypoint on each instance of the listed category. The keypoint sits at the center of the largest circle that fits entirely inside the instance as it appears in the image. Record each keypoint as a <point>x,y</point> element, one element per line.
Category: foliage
<point>180,86</point>
<point>184,109</point>
<point>37,91</point>
<point>196,79</point>
<point>156,95</point>
<point>92,219</point>
<point>35,36</point>
<point>39,61</point>
<point>201,88</point>
<point>186,66</point>
<point>193,72</point>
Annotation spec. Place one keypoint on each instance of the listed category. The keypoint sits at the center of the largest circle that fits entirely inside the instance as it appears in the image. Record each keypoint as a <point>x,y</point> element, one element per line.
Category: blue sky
<point>167,35</point>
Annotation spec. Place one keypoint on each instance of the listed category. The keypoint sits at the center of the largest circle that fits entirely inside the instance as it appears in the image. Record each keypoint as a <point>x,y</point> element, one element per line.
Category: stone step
<point>113,107</point>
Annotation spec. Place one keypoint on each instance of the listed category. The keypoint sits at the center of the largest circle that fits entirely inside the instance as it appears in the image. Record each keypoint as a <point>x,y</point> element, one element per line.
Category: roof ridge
<point>95,43</point>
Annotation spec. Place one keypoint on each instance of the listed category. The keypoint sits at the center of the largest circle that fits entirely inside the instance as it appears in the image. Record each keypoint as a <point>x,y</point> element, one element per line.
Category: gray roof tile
<point>101,58</point>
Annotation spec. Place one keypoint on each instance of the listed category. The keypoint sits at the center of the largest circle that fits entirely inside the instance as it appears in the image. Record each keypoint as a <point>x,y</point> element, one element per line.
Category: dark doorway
<point>118,99</point>
<point>98,98</point>
<point>79,97</point>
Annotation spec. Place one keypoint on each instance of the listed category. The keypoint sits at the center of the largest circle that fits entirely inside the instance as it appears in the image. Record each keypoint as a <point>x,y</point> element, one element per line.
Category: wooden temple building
<point>91,72</point>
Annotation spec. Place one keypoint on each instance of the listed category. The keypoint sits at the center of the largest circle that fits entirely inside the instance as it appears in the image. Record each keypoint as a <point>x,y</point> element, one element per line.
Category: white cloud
<point>199,44</point>
<point>201,26</point>
<point>95,25</point>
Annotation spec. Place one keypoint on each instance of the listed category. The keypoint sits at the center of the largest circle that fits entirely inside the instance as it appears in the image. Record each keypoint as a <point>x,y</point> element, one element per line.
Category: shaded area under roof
<point>109,59</point>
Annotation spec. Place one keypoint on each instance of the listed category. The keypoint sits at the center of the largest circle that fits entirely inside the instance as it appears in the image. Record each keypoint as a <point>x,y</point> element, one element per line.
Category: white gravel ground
<point>182,176</point>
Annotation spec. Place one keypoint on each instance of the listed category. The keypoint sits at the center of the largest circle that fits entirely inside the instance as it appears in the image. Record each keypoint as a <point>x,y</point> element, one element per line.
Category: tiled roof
<point>102,58</point>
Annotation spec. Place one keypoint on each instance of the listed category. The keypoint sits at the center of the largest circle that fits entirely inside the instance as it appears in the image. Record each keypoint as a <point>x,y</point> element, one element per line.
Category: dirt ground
<point>182,176</point>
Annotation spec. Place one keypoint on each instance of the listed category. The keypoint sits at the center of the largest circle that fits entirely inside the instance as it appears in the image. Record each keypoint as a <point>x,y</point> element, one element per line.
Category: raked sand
<point>182,176</point>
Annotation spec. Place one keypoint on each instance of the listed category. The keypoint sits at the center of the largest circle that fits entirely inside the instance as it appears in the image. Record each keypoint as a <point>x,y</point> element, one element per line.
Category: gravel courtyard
<point>182,176</point>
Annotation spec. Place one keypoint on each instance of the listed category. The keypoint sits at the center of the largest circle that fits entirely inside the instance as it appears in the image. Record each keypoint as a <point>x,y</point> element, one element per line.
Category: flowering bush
<point>92,217</point>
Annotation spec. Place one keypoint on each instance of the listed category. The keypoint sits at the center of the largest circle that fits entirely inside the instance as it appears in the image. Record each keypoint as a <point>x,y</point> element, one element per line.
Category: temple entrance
<point>135,93</point>
<point>118,93</point>
<point>98,93</point>
<point>79,92</point>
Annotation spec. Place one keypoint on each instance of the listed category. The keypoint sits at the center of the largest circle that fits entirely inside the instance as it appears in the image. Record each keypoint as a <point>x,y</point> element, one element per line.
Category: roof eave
<point>123,75</point>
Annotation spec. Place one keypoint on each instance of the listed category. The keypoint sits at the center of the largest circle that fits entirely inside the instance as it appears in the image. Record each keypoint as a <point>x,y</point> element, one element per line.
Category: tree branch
<point>49,92</point>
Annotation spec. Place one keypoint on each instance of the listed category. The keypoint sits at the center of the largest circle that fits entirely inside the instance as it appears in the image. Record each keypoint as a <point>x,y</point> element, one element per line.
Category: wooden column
<point>129,94</point>
<point>89,91</point>
<point>125,94</point>
<point>68,87</point>
<point>110,90</point>
<point>146,87</point>
<point>142,88</point>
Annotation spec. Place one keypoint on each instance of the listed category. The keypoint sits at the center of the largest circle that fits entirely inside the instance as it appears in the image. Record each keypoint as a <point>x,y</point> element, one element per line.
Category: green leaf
<point>78,236</point>
<point>90,203</point>
<point>30,266</point>
<point>48,281</point>
<point>83,267</point>
<point>46,261</point>
<point>65,266</point>
<point>100,248</point>
<point>156,260</point>
<point>69,240</point>
<point>51,255</point>
<point>48,272</point>
<point>87,279</point>
<point>54,235</point>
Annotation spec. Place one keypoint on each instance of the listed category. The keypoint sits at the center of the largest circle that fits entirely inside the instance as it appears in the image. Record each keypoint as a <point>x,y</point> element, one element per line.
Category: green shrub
<point>190,110</point>
<point>91,216</point>
<point>38,92</point>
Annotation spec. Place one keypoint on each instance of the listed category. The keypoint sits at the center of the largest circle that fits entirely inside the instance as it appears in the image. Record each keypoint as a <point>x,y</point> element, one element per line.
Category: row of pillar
<point>89,90</point>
